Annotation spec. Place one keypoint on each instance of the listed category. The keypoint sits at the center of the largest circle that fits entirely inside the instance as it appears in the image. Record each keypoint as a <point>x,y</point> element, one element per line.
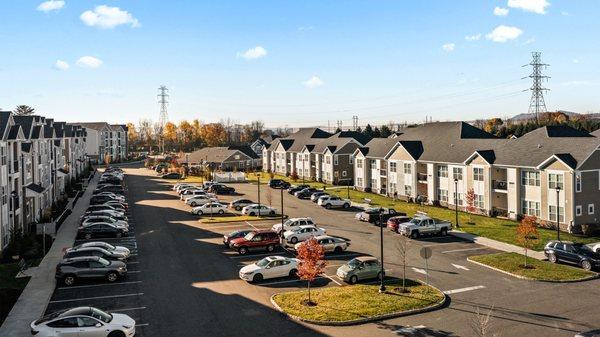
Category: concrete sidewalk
<point>506,247</point>
<point>34,298</point>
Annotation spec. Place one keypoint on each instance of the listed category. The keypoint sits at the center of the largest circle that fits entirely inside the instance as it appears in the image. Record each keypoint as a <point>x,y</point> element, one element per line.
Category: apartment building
<point>105,141</point>
<point>226,158</point>
<point>281,155</point>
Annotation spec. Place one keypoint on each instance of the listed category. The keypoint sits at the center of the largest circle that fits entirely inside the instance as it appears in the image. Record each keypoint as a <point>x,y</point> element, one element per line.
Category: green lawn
<point>494,228</point>
<point>357,301</point>
<point>10,287</point>
<point>539,270</point>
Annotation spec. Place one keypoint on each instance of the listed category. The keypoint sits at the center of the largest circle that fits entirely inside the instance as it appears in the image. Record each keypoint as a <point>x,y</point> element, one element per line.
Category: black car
<point>574,253</point>
<point>110,188</point>
<point>234,235</point>
<point>102,199</point>
<point>101,230</point>
<point>110,180</point>
<point>221,189</point>
<point>293,189</point>
<point>278,183</point>
<point>374,216</point>
<point>93,251</point>
<point>172,175</point>
<point>306,193</point>
<point>69,270</point>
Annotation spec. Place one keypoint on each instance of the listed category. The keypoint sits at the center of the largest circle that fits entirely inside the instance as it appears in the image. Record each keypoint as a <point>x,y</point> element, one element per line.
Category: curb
<point>587,278</point>
<point>363,320</point>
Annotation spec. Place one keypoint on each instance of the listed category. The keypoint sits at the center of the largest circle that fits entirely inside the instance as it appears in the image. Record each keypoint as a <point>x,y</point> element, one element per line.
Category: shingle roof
<point>93,125</point>
<point>247,150</point>
<point>304,136</point>
<point>26,147</point>
<point>337,141</point>
<point>4,117</point>
<point>214,154</point>
<point>48,131</point>
<point>13,132</point>
<point>26,122</point>
<point>379,147</point>
<point>36,132</point>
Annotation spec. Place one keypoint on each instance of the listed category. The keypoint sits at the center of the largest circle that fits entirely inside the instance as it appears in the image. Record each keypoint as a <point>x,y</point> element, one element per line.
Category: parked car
<point>269,267</point>
<point>256,209</point>
<point>295,188</point>
<point>194,192</point>
<point>424,225</point>
<point>305,193</point>
<point>69,270</point>
<point>360,268</point>
<point>333,201</point>
<point>302,233</point>
<point>256,240</point>
<point>83,322</point>
<point>107,246</point>
<point>234,235</point>
<point>112,213</point>
<point>329,244</point>
<point>209,208</point>
<point>112,195</point>
<point>93,208</point>
<point>596,247</point>
<point>315,196</point>
<point>93,251</point>
<point>207,184</point>
<point>238,204</point>
<point>292,223</point>
<point>574,253</point>
<point>278,183</point>
<point>377,215</point>
<point>172,175</point>
<point>110,188</point>
<point>180,185</point>
<point>200,199</point>
<point>101,230</point>
<point>116,224</point>
<point>104,219</point>
<point>190,190</point>
<point>183,187</point>
<point>394,222</point>
<point>221,189</point>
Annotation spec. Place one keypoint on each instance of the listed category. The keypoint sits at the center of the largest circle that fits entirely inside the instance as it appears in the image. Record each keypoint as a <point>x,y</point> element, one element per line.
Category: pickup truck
<point>424,225</point>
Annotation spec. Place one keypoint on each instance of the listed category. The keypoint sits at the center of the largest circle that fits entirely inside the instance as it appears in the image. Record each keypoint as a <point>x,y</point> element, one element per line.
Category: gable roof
<point>4,118</point>
<point>297,140</point>
<point>26,122</point>
<point>93,125</point>
<point>217,154</point>
<point>379,147</point>
<point>247,150</point>
<point>13,132</point>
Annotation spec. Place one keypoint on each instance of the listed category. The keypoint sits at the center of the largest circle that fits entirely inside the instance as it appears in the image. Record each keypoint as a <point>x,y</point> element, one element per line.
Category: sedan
<point>256,209</point>
<point>209,208</point>
<point>101,230</point>
<point>69,270</point>
<point>114,214</point>
<point>83,322</point>
<point>108,220</point>
<point>360,268</point>
<point>107,246</point>
<point>199,200</point>
<point>270,267</point>
<point>302,233</point>
<point>94,251</point>
<point>329,244</point>
<point>172,175</point>
<point>238,204</point>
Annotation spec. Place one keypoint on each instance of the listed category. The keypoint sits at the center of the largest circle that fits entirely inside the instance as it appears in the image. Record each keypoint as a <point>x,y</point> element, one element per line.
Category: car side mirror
<point>268,267</point>
<point>98,325</point>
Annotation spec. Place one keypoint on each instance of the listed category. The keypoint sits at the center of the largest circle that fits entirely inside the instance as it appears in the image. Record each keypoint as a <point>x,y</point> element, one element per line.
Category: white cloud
<point>449,47</point>
<point>529,41</point>
<point>89,62</point>
<point>499,11</point>
<point>61,65</point>
<point>108,17</point>
<point>51,5</point>
<point>253,53</point>
<point>474,37</point>
<point>534,6</point>
<point>504,33</point>
<point>313,82</point>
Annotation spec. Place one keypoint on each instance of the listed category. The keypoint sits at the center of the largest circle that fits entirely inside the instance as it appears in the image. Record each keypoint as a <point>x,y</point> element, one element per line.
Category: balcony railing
<point>499,185</point>
<point>383,173</point>
<point>499,212</point>
<point>422,176</point>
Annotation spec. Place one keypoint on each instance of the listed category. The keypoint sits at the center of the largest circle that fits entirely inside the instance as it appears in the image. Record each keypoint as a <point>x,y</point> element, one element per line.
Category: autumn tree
<point>133,137</point>
<point>214,134</point>
<point>170,134</point>
<point>311,264</point>
<point>470,200</point>
<point>269,196</point>
<point>492,125</point>
<point>527,234</point>
<point>24,110</point>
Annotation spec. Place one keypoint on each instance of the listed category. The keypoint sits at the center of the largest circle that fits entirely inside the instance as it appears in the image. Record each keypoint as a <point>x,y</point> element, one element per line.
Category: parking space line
<point>142,324</point>
<point>283,282</point>
<point>99,285</point>
<point>343,255</point>
<point>127,309</point>
<point>331,278</point>
<point>461,290</point>
<point>463,250</point>
<point>133,271</point>
<point>251,225</point>
<point>134,262</point>
<point>96,298</point>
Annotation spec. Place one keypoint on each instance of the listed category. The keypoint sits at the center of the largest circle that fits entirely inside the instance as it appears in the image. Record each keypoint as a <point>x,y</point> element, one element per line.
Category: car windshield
<point>101,315</point>
<point>103,262</point>
<point>288,222</point>
<point>354,263</point>
<point>109,246</point>
<point>263,263</point>
<point>249,236</point>
<point>415,221</point>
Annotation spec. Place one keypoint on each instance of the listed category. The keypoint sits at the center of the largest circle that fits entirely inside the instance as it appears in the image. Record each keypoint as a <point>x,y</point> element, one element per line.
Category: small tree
<point>269,196</point>
<point>482,323</point>
<point>402,246</point>
<point>311,264</point>
<point>527,234</point>
<point>294,175</point>
<point>470,200</point>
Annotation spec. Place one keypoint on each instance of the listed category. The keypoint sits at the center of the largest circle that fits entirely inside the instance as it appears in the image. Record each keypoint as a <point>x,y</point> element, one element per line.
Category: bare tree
<point>402,247</point>
<point>269,196</point>
<point>481,324</point>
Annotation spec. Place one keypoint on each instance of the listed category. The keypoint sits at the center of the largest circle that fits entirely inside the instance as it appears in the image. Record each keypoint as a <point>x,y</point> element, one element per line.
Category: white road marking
<point>342,255</point>
<point>135,262</point>
<point>283,282</point>
<point>251,225</point>
<point>463,250</point>
<point>331,278</point>
<point>96,298</point>
<point>458,266</point>
<point>419,270</point>
<point>133,271</point>
<point>127,309</point>
<point>461,290</point>
<point>100,285</point>
<point>143,324</point>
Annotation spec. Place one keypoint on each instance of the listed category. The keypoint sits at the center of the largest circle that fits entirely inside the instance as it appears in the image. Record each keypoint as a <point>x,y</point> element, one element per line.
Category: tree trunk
<point>309,301</point>
<point>404,276</point>
<point>525,257</point>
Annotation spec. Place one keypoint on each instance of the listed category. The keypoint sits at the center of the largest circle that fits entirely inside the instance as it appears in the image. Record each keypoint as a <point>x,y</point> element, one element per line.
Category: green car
<point>360,268</point>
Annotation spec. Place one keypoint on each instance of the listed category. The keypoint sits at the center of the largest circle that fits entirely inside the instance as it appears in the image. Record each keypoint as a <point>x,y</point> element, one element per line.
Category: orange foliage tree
<point>311,264</point>
<point>214,134</point>
<point>527,234</point>
<point>470,200</point>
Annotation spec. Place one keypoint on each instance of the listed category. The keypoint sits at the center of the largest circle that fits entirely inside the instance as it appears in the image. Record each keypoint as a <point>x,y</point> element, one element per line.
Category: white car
<point>110,212</point>
<point>270,267</point>
<point>199,200</point>
<point>191,192</point>
<point>302,233</point>
<point>595,247</point>
<point>256,209</point>
<point>329,244</point>
<point>83,322</point>
<point>185,188</point>
<point>209,208</point>
<point>181,185</point>
<point>106,219</point>
<point>333,201</point>
<point>292,223</point>
<point>112,195</point>
<point>117,249</point>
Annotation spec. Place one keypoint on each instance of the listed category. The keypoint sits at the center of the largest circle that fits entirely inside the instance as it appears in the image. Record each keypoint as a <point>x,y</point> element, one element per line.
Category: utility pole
<point>537,104</point>
<point>354,122</point>
<point>339,124</point>
<point>163,100</point>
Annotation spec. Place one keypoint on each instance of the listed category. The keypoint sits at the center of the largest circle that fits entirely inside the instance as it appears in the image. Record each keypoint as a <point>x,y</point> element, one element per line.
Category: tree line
<point>508,128</point>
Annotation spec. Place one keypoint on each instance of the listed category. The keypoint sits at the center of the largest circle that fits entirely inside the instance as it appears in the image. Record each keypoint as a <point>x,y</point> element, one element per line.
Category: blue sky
<point>296,63</point>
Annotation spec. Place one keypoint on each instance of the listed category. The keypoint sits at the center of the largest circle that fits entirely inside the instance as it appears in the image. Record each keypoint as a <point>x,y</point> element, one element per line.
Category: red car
<point>256,240</point>
<point>393,222</point>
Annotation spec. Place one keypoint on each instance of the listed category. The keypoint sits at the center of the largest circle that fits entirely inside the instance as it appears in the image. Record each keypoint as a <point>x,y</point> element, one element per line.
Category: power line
<point>537,103</point>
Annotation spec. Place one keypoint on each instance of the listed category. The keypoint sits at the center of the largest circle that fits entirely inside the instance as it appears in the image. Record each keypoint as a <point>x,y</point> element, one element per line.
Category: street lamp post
<point>381,285</point>
<point>557,213</point>
<point>303,171</point>
<point>456,202</point>
<point>258,189</point>
<point>281,191</point>
<point>348,190</point>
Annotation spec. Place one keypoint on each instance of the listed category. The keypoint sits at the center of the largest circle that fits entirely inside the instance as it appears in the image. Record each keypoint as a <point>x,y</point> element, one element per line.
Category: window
<point>374,183</point>
<point>327,160</point>
<point>359,182</point>
<point>344,173</point>
<point>578,183</point>
<point>552,213</point>
<point>457,199</point>
<point>69,322</point>
<point>478,201</point>
<point>350,159</point>
<point>578,210</point>
<point>373,165</point>
<point>530,178</point>
<point>530,208</point>
<point>407,168</point>
<point>478,173</point>
<point>457,173</point>
<point>590,209</point>
<point>359,163</point>
<point>335,160</point>
<point>555,180</point>
<point>443,171</point>
<point>392,167</point>
<point>407,190</point>
<point>86,321</point>
<point>392,187</point>
<point>442,195</point>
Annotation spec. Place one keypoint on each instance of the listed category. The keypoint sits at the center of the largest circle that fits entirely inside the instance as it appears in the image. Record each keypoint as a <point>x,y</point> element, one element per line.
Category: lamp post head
<point>557,189</point>
<point>456,180</point>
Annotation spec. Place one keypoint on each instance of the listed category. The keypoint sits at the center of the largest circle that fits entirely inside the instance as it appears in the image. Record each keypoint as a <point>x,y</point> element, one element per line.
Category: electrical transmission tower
<point>354,123</point>
<point>537,104</point>
<point>163,100</point>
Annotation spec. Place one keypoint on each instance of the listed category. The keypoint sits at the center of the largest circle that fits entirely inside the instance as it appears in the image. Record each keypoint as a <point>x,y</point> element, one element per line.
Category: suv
<point>333,201</point>
<point>575,253</point>
<point>89,267</point>
<point>292,223</point>
<point>94,251</point>
<point>306,193</point>
<point>255,240</point>
<point>278,183</point>
<point>221,189</point>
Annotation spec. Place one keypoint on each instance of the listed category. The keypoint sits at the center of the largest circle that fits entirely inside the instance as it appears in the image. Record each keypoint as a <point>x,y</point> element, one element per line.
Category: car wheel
<point>112,277</point>
<point>346,205</point>
<point>69,280</point>
<point>586,265</point>
<point>293,273</point>
<point>294,240</point>
<point>221,211</point>
<point>199,212</point>
<point>88,236</point>
<point>193,204</point>
<point>251,214</point>
<point>379,276</point>
<point>116,334</point>
<point>257,278</point>
<point>353,279</point>
<point>270,248</point>
<point>328,206</point>
<point>552,258</point>
<point>242,250</point>
<point>238,208</point>
<point>338,249</point>
<point>414,234</point>
<point>118,235</point>
<point>444,232</point>
<point>272,213</point>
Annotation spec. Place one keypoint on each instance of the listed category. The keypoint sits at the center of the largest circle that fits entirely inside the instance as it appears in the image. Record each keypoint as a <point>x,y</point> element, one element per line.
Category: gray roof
<point>93,125</point>
<point>378,147</point>
<point>335,142</point>
<point>13,132</point>
<point>214,154</point>
<point>26,147</point>
<point>26,122</point>
<point>304,136</point>
<point>4,117</point>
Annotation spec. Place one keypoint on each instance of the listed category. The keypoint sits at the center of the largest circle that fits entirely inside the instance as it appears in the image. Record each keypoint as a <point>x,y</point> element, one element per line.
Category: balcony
<point>422,177</point>
<point>499,185</point>
<point>383,173</point>
<point>14,168</point>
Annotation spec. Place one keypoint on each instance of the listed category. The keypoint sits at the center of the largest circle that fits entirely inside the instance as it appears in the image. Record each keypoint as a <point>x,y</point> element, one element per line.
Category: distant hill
<point>528,116</point>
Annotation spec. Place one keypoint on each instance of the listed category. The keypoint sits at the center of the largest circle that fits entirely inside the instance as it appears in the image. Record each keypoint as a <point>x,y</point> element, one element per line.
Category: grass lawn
<point>10,287</point>
<point>192,179</point>
<point>540,270</point>
<point>237,218</point>
<point>357,301</point>
<point>494,228</point>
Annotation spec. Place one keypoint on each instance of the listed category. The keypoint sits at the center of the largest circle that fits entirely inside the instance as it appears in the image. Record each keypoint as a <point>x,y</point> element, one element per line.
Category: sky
<point>296,63</point>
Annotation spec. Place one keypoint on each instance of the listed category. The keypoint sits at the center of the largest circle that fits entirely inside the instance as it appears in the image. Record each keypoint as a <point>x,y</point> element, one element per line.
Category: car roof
<point>366,258</point>
<point>81,258</point>
<point>307,226</point>
<point>276,257</point>
<point>262,231</point>
<point>320,237</point>
<point>302,218</point>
